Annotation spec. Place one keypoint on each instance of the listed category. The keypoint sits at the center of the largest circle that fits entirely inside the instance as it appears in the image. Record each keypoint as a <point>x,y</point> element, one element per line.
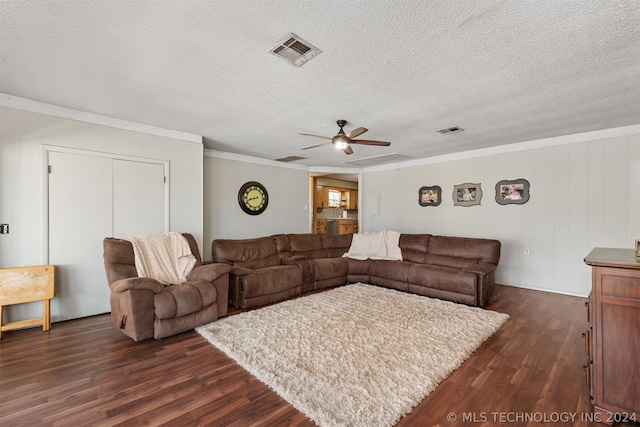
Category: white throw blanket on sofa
<point>166,258</point>
<point>381,245</point>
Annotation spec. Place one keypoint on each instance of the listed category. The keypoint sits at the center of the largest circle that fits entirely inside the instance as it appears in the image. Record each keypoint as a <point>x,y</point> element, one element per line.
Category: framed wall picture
<point>467,194</point>
<point>515,192</point>
<point>430,196</point>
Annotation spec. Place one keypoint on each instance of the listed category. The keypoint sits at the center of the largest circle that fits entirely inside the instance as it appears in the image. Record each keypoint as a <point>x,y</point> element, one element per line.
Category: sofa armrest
<point>209,272</point>
<point>136,283</point>
<point>481,269</point>
<point>486,281</point>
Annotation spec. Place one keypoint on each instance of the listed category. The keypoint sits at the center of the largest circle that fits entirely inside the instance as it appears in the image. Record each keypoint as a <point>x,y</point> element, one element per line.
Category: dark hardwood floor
<point>85,372</point>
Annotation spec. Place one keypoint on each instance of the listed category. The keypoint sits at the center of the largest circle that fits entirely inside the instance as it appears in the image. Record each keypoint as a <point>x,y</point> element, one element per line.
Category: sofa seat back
<point>120,262</point>
<point>312,246</point>
<point>414,247</point>
<point>461,252</point>
<point>247,253</point>
<point>307,245</point>
<point>336,245</point>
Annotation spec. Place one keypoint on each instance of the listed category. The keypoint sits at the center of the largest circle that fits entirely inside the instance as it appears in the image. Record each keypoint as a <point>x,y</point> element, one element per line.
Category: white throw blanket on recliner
<point>166,258</point>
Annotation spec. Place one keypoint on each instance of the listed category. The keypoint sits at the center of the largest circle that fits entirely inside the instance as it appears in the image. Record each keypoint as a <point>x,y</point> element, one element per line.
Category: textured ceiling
<point>505,71</point>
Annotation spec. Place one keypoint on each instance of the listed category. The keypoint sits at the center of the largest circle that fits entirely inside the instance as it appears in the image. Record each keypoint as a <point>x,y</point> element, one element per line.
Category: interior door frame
<point>46,149</point>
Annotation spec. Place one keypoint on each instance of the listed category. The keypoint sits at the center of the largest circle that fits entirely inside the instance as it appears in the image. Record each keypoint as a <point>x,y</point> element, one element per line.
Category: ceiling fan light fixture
<point>341,145</point>
<point>340,141</point>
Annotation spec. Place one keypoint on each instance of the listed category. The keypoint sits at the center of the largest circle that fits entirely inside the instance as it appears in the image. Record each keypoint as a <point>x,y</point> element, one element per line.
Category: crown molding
<point>512,148</point>
<point>250,159</point>
<point>24,104</point>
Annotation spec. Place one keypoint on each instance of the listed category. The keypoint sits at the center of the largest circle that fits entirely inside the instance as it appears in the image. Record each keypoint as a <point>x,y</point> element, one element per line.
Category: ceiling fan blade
<point>368,142</point>
<point>356,132</point>
<point>348,150</point>
<point>314,146</point>
<point>316,136</point>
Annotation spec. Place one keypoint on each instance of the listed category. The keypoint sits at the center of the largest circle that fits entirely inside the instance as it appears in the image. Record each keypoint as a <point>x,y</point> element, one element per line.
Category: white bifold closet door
<point>138,202</point>
<point>90,198</point>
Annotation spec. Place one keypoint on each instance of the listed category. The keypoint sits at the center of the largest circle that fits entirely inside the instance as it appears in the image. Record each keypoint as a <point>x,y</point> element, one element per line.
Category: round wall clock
<point>253,198</point>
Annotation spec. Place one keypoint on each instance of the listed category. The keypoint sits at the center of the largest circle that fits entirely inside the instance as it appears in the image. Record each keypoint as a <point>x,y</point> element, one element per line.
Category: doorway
<point>336,203</point>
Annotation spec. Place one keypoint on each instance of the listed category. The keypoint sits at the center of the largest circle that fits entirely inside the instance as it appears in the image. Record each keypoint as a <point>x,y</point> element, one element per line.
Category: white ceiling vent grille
<point>290,159</point>
<point>453,129</point>
<point>295,50</point>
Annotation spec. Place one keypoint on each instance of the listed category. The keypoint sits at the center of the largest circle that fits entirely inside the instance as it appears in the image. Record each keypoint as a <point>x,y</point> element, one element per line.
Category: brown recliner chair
<point>143,308</point>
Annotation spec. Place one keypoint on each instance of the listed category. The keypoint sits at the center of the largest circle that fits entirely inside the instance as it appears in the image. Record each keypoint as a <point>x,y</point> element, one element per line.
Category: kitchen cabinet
<point>349,199</point>
<point>345,226</point>
<point>327,197</point>
<point>318,201</point>
<point>331,197</point>
<point>353,199</point>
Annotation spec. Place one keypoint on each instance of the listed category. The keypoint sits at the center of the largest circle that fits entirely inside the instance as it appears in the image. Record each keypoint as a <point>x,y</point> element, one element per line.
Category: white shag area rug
<point>358,355</point>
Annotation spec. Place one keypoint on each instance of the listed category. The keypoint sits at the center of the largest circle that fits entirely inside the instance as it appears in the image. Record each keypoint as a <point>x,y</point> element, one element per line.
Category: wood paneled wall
<point>582,195</point>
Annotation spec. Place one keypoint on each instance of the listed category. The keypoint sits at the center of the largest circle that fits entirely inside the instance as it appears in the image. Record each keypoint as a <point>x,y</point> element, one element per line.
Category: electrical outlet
<point>526,251</point>
<point>4,228</point>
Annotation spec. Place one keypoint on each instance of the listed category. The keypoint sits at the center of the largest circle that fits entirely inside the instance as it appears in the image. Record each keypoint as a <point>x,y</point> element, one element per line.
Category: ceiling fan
<point>343,141</point>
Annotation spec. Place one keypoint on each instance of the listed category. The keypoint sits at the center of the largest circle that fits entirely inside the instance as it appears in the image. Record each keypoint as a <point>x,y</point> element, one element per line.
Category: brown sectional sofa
<point>274,268</point>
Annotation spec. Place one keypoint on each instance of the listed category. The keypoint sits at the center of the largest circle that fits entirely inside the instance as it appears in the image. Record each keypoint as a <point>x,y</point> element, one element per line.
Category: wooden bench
<point>27,284</point>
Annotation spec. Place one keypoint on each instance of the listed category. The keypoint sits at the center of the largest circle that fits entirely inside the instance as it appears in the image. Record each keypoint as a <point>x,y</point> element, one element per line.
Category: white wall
<point>23,189</point>
<point>287,186</point>
<point>583,195</point>
<point>585,192</point>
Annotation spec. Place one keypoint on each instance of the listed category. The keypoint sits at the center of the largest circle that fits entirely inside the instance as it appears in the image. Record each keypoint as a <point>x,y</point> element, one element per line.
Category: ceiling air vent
<point>453,129</point>
<point>290,159</point>
<point>295,50</point>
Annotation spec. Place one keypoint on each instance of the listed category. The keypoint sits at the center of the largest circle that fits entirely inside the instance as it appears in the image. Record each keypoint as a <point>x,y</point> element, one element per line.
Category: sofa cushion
<point>180,300</point>
<point>119,259</point>
<point>444,278</point>
<point>481,250</point>
<point>271,280</point>
<point>270,261</point>
<point>305,242</point>
<point>249,253</point>
<point>449,261</point>
<point>414,247</point>
<point>309,245</point>
<point>328,268</point>
<point>359,267</point>
<point>282,243</point>
<point>332,241</point>
<point>393,270</point>
<point>336,245</point>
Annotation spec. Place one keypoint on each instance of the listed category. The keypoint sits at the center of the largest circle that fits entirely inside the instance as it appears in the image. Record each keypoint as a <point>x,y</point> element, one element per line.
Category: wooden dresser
<point>613,337</point>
